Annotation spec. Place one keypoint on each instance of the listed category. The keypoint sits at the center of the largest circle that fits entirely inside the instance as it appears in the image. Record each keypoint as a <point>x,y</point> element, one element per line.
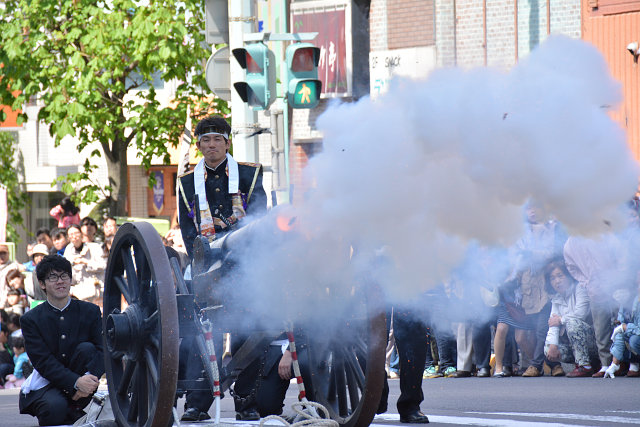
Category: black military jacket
<point>51,337</point>
<point>217,189</point>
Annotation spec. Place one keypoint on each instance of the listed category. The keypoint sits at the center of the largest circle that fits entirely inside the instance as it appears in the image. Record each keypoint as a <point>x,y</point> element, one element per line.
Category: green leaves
<point>77,56</point>
<point>13,180</point>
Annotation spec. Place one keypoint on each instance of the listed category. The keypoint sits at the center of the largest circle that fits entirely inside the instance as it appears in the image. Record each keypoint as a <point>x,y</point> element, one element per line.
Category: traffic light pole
<point>242,20</point>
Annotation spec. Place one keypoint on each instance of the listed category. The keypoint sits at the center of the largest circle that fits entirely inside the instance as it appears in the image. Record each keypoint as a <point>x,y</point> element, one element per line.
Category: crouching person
<point>626,339</point>
<point>570,338</point>
<point>63,339</point>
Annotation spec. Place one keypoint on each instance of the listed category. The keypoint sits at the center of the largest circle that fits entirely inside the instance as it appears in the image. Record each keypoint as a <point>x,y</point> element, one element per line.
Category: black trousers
<point>269,389</point>
<point>191,368</point>
<point>411,342</point>
<point>51,405</point>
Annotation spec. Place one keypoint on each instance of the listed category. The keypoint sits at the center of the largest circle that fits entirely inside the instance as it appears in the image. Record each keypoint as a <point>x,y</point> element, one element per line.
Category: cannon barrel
<point>212,259</point>
<point>276,224</point>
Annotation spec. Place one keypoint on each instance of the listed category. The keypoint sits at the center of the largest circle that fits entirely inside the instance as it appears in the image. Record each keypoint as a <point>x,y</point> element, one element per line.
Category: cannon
<point>148,308</point>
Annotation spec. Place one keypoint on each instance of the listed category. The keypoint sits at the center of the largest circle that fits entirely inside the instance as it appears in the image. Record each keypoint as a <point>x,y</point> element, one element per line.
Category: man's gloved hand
<point>618,330</point>
<point>611,370</point>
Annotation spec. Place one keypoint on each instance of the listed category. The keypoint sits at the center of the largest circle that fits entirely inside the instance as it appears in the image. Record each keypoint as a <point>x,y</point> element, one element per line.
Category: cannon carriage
<point>148,308</point>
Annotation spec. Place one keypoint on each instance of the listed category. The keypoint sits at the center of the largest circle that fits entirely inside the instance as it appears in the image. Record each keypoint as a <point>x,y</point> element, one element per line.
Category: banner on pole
<point>158,192</point>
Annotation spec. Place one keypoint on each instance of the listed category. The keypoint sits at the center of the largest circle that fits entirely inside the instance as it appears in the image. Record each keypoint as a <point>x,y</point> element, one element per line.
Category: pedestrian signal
<point>304,88</point>
<point>259,89</point>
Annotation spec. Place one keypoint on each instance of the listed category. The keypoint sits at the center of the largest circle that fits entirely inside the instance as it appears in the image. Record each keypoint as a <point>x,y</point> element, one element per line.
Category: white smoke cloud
<point>435,164</point>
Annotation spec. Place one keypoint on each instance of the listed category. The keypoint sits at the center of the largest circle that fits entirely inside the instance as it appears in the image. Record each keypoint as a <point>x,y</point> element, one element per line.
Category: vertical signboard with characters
<point>331,19</point>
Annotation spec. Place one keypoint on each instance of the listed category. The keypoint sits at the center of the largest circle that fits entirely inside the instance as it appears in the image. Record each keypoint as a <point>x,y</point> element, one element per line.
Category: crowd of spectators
<point>550,300</point>
<point>524,310</point>
<point>78,240</point>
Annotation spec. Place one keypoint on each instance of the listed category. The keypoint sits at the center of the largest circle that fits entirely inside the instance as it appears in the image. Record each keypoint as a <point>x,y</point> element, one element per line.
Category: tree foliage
<point>91,64</point>
<point>16,196</point>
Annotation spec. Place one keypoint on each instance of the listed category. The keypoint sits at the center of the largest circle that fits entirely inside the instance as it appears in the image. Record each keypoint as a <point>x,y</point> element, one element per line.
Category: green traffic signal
<point>306,93</point>
<point>304,88</point>
<point>259,89</point>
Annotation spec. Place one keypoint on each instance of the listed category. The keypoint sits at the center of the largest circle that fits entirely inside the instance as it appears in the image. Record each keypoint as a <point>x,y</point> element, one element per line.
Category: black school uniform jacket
<point>51,337</point>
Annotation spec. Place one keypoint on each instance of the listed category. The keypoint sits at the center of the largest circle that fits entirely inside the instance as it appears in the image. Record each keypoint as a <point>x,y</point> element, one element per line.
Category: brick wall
<point>462,44</point>
<point>566,17</point>
<point>410,23</point>
<point>470,33</point>
<point>298,158</point>
<point>378,25</point>
<point>445,40</point>
<point>501,48</point>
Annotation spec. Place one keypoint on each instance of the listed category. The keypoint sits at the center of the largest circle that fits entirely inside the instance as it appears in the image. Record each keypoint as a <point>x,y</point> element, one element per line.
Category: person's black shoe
<point>484,373</point>
<point>510,372</point>
<point>194,414</point>
<point>248,415</point>
<point>415,417</point>
<point>462,374</point>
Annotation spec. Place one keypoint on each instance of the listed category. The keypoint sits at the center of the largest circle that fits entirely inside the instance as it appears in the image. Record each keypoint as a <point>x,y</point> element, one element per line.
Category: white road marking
<point>474,421</point>
<point>599,418</point>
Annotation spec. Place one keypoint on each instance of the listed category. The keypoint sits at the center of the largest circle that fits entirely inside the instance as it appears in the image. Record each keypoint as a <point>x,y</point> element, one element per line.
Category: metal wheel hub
<point>124,331</point>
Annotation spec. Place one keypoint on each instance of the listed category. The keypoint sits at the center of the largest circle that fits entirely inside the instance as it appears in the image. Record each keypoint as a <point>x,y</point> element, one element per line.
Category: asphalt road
<point>509,402</point>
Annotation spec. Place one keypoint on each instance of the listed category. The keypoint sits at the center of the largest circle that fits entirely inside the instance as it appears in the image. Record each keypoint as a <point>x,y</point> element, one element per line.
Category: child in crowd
<point>626,339</point>
<point>29,266</point>
<point>20,358</point>
<point>66,213</point>
<point>15,302</point>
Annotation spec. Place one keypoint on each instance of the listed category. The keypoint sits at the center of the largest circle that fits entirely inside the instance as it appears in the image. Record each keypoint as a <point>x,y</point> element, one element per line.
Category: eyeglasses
<point>53,278</point>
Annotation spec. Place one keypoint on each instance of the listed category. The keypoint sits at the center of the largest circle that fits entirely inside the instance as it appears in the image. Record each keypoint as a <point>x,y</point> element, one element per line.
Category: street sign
<point>216,21</point>
<point>217,74</point>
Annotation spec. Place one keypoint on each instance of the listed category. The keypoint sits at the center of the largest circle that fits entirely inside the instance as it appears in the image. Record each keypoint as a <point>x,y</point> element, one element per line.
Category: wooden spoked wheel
<point>140,324</point>
<point>346,367</point>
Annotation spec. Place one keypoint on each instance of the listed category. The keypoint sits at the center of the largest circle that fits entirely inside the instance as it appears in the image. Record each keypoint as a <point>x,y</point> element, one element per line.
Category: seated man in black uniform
<point>63,339</point>
<point>227,191</point>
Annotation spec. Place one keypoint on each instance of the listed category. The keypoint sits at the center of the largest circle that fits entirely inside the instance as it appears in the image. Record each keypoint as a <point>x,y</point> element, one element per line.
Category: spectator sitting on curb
<point>63,338</point>
<point>20,358</point>
<point>626,339</point>
<point>570,337</point>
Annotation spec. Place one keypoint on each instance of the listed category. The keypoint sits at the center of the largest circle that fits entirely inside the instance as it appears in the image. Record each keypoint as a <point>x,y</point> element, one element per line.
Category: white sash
<point>199,177</point>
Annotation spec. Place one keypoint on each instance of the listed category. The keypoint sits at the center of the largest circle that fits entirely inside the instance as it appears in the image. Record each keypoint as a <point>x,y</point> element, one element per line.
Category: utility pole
<point>242,20</point>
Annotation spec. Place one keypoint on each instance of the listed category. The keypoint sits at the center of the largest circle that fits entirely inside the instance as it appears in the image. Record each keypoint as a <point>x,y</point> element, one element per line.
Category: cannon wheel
<point>346,372</point>
<point>140,325</point>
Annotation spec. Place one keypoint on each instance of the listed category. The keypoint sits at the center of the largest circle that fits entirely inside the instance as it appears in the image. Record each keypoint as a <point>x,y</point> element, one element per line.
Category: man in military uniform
<point>227,191</point>
<point>63,339</point>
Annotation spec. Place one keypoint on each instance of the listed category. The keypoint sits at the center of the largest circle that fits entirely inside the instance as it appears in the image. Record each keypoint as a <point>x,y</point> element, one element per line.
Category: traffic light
<point>259,90</point>
<point>302,69</point>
